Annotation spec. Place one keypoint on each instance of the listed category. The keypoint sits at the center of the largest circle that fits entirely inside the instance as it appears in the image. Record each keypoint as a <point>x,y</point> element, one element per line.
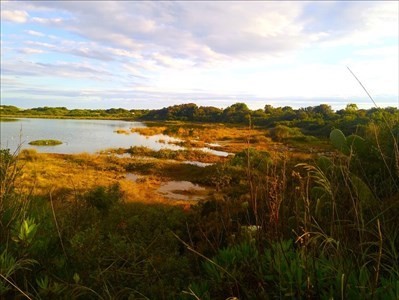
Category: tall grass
<point>318,230</point>
<point>277,228</point>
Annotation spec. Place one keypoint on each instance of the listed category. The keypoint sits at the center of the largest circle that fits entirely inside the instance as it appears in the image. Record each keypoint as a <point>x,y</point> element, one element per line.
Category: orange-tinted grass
<point>68,176</point>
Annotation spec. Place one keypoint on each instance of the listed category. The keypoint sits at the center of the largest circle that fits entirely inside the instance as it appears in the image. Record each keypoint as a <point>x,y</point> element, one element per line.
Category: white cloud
<point>364,23</point>
<point>47,21</point>
<point>202,32</point>
<point>72,71</point>
<point>35,33</point>
<point>232,50</point>
<point>41,44</point>
<point>30,51</point>
<point>17,16</point>
<point>208,32</point>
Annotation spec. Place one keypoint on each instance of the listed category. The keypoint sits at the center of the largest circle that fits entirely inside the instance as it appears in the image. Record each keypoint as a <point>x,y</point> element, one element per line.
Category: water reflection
<point>77,135</point>
<point>84,136</point>
<point>183,190</point>
<point>132,177</point>
<point>214,152</point>
<point>197,163</point>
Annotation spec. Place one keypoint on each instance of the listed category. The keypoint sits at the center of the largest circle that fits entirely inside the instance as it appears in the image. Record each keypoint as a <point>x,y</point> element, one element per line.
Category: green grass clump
<point>45,143</point>
<point>186,154</point>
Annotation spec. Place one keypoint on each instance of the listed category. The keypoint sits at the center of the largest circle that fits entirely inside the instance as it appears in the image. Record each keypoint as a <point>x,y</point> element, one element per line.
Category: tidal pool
<point>183,190</point>
<point>197,163</point>
<point>132,176</point>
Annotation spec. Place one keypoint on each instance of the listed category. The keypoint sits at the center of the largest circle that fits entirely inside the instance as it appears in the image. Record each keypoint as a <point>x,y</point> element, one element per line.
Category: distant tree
<point>116,111</point>
<point>269,109</point>
<point>259,113</point>
<point>287,109</point>
<point>9,109</point>
<point>302,114</point>
<point>208,114</point>
<point>186,111</point>
<point>323,109</point>
<point>236,113</point>
<point>351,108</point>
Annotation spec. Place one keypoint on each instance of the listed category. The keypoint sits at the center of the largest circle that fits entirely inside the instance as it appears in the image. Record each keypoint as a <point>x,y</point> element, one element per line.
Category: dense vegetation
<point>63,112</point>
<point>285,121</point>
<point>276,228</point>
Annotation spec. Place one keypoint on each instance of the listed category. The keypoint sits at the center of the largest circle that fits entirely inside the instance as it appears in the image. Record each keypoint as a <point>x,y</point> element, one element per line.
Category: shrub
<point>103,198</point>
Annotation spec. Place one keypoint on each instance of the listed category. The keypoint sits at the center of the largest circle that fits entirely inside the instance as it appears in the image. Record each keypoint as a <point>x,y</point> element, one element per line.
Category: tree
<point>324,109</point>
<point>236,113</point>
<point>269,109</point>
<point>351,108</point>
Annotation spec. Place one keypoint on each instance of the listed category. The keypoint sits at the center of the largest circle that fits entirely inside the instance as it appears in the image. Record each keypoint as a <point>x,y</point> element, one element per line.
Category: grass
<point>234,139</point>
<point>45,143</point>
<point>180,155</point>
<point>230,138</point>
<point>67,176</point>
<point>343,248</point>
<point>122,131</point>
<point>276,228</point>
<point>149,131</point>
<point>208,133</point>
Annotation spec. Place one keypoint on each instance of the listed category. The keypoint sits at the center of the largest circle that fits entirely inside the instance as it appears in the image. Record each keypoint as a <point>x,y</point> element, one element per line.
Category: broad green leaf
<point>338,140</point>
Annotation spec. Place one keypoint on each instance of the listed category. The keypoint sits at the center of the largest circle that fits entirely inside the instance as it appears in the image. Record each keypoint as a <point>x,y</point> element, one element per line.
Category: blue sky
<point>87,54</point>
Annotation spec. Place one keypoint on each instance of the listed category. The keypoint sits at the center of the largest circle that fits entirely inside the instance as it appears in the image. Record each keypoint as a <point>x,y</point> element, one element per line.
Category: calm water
<point>77,135</point>
<point>183,190</point>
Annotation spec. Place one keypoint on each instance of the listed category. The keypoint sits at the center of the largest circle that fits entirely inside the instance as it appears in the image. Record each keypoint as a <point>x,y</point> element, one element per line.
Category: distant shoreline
<point>63,117</point>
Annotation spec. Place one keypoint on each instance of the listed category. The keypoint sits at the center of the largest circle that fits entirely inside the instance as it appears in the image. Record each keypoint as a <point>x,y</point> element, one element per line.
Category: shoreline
<point>64,117</point>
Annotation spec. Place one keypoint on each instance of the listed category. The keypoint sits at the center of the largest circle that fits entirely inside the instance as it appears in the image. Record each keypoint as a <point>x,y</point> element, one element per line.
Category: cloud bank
<point>129,53</point>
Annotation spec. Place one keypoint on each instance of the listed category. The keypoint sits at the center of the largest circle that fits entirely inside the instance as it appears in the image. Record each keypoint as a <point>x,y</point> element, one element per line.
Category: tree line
<point>312,120</point>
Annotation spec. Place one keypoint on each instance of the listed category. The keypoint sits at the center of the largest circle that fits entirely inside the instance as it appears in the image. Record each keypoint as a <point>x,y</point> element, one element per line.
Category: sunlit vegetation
<point>279,223</point>
<point>45,143</point>
<point>68,175</point>
<point>181,155</point>
<point>122,131</point>
<point>151,130</point>
<point>229,138</point>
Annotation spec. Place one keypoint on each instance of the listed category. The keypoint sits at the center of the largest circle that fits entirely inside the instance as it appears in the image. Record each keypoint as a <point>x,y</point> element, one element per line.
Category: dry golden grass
<point>149,131</point>
<point>230,138</point>
<point>68,176</point>
<point>122,131</point>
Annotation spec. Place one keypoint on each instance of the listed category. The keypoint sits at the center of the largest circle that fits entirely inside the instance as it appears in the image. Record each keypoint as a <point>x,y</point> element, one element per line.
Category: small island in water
<point>45,143</point>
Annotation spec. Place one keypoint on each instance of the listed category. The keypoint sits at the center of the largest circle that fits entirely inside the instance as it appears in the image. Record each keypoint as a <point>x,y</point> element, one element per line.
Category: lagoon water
<point>77,135</point>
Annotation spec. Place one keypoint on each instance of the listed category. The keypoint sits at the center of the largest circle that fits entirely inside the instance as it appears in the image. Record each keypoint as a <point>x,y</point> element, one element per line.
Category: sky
<point>145,54</point>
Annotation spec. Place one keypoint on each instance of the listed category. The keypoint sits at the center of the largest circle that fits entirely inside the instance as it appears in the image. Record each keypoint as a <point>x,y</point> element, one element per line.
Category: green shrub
<point>103,198</point>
